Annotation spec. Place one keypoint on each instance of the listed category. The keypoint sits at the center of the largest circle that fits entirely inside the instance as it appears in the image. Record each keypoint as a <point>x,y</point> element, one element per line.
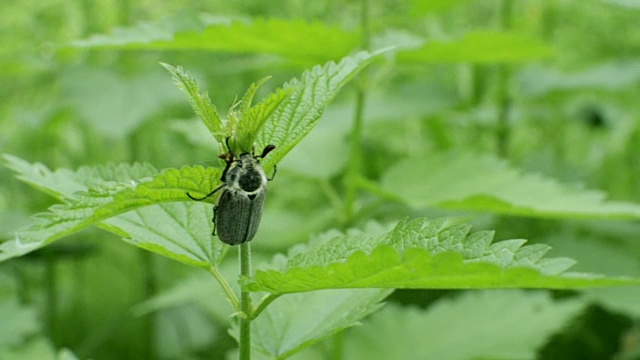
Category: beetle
<point>237,214</point>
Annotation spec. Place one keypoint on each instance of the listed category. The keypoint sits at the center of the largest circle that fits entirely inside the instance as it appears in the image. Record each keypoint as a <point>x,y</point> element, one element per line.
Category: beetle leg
<point>275,170</point>
<point>206,196</point>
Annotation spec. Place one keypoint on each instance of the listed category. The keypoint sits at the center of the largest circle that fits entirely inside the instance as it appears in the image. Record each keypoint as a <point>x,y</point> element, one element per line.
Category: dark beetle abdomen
<point>237,216</point>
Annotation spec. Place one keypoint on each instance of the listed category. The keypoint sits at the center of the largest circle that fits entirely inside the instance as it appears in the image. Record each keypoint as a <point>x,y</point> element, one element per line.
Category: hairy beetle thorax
<point>247,175</point>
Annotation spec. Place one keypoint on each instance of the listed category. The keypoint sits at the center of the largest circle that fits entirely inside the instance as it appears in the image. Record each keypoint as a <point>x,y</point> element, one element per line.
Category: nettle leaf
<point>444,181</point>
<point>200,102</point>
<point>250,120</point>
<point>178,231</point>
<point>422,254</point>
<point>479,47</point>
<point>293,39</point>
<point>145,32</point>
<point>518,323</point>
<point>63,183</point>
<point>308,96</point>
<point>280,332</point>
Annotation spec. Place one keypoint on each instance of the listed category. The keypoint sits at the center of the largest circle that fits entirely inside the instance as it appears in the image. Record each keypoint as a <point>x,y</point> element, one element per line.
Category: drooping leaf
<point>121,201</point>
<point>295,39</point>
<point>422,254</point>
<point>280,332</point>
<point>464,181</point>
<point>479,47</point>
<point>502,324</point>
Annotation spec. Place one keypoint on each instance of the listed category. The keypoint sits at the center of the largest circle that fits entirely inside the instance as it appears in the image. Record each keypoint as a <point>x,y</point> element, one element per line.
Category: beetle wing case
<point>237,216</point>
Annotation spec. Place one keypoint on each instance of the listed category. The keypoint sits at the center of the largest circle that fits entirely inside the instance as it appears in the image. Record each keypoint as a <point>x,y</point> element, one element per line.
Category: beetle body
<point>239,210</point>
<point>237,215</point>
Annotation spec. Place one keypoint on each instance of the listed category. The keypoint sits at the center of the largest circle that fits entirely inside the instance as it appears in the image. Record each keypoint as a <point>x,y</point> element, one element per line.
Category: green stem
<point>150,290</point>
<point>504,76</point>
<point>268,299</point>
<point>245,304</point>
<point>52,298</point>
<point>355,159</point>
<point>226,288</point>
<point>338,346</point>
<point>354,169</point>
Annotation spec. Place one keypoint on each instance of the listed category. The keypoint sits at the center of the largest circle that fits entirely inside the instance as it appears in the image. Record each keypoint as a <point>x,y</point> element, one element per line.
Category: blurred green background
<point>550,86</point>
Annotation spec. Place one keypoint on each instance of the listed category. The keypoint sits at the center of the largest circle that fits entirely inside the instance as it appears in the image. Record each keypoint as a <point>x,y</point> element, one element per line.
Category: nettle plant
<point>280,309</point>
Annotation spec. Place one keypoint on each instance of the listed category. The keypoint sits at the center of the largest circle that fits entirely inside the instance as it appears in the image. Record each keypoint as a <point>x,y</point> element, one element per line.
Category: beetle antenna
<point>267,150</point>
<point>226,141</point>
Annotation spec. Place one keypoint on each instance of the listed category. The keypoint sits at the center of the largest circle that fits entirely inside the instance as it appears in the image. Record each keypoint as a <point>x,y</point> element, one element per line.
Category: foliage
<point>398,128</point>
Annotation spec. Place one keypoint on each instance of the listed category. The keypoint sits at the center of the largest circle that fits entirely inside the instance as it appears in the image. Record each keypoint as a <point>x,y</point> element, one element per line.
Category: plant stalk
<point>503,78</point>
<point>225,286</point>
<point>245,304</point>
<point>354,169</point>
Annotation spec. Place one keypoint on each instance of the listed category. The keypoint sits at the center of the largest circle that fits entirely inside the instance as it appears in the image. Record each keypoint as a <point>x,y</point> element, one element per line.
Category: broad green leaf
<point>146,32</point>
<point>280,332</point>
<point>180,231</point>
<point>476,325</point>
<point>417,269</point>
<point>480,47</point>
<point>464,181</point>
<point>422,254</point>
<point>294,118</point>
<point>188,241</point>
<point>293,39</point>
<point>200,102</point>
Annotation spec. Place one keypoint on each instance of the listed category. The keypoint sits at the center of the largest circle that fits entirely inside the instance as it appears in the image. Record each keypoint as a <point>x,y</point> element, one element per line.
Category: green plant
<point>149,209</point>
<point>483,113</point>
